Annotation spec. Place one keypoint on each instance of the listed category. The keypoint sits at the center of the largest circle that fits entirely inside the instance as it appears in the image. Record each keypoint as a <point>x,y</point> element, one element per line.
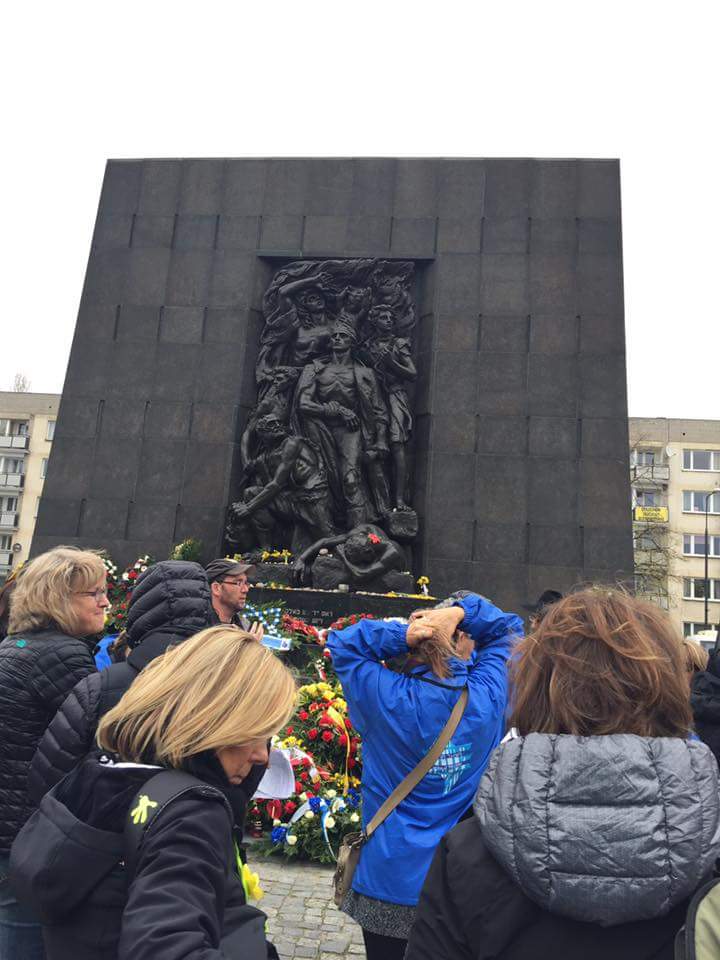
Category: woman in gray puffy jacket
<point>598,816</point>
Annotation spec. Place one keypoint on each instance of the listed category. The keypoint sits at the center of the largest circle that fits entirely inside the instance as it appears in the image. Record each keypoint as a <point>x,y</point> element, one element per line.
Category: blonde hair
<point>44,592</point>
<point>696,656</point>
<point>218,689</point>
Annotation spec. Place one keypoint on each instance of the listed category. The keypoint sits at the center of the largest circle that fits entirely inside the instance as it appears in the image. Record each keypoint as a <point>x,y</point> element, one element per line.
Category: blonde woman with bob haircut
<point>57,609</point>
<point>163,800</point>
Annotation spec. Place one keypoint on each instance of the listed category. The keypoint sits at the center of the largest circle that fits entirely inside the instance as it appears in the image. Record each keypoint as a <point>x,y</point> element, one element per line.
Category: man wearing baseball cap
<point>229,588</point>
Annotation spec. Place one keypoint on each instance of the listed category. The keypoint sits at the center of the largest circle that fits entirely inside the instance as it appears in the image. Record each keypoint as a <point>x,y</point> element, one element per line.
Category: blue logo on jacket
<point>452,764</point>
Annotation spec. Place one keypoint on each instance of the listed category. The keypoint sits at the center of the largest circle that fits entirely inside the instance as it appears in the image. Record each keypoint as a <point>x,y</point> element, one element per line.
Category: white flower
<point>291,839</point>
<point>354,818</point>
<point>338,804</point>
<point>126,576</point>
<point>276,822</point>
<point>331,793</point>
<point>329,822</point>
<point>303,796</point>
<point>309,815</point>
<point>143,569</point>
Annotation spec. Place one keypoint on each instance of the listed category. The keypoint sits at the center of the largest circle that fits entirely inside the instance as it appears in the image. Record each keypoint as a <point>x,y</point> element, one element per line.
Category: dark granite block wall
<point>520,459</point>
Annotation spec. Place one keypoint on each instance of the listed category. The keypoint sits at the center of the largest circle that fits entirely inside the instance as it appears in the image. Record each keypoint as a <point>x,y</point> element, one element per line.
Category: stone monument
<point>308,353</point>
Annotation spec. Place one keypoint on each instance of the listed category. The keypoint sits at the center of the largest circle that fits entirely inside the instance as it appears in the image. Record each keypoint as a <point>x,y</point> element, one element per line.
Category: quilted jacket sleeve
<point>68,739</point>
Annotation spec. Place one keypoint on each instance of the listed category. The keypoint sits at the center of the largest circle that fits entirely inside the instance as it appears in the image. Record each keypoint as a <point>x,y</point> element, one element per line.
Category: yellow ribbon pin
<point>140,813</point>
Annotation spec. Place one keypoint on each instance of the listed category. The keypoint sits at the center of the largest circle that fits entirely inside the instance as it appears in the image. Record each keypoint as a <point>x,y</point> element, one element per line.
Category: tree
<point>21,384</point>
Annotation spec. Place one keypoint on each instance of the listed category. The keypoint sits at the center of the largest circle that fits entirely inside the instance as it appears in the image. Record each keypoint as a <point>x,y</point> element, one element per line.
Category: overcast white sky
<point>84,81</point>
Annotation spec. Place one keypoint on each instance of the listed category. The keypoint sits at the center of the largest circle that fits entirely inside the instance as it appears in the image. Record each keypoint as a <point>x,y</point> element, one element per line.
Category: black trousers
<point>383,948</point>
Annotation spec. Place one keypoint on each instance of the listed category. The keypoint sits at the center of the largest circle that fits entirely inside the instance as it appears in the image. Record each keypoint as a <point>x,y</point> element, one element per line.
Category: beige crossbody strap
<point>416,775</point>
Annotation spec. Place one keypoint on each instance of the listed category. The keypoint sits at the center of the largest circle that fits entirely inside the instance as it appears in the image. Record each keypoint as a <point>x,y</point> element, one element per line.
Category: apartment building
<point>674,471</point>
<point>27,428</point>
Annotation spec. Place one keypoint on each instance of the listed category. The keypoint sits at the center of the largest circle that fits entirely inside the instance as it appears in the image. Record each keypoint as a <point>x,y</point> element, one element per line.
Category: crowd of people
<point>553,793</point>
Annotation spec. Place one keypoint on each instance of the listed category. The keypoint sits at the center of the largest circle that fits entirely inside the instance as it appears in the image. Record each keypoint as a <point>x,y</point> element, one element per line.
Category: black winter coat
<point>170,602</point>
<point>184,895</point>
<point>470,909</point>
<point>37,671</point>
<point>705,703</point>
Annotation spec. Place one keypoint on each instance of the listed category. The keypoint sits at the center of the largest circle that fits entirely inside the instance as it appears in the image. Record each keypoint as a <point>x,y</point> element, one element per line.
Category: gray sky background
<point>84,81</point>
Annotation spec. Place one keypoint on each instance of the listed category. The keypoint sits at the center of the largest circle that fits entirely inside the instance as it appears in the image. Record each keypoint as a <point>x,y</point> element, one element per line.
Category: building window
<point>5,541</point>
<point>43,468</point>
<point>646,541</point>
<point>11,465</point>
<point>690,629</point>
<point>642,458</point>
<point>20,428</point>
<point>8,504</point>
<point>50,435</point>
<point>646,498</point>
<point>694,545</point>
<point>701,460</point>
<point>694,501</point>
<point>694,589</point>
<point>37,507</point>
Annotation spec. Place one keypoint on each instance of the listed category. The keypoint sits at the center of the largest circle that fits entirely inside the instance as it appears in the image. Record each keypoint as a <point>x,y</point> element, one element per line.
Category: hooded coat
<point>399,718</point>
<point>705,703</point>
<point>579,847</point>
<point>170,602</point>
<point>181,899</point>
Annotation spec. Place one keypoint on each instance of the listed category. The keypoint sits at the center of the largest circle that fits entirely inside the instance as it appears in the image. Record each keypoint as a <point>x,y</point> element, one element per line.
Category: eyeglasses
<point>97,595</point>
<point>236,583</point>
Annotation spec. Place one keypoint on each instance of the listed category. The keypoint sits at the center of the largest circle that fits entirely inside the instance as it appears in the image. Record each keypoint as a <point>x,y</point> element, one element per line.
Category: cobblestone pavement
<point>303,920</point>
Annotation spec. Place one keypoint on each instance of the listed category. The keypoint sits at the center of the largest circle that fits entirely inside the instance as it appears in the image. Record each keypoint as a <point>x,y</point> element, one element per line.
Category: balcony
<point>8,520</point>
<point>12,480</point>
<point>5,558</point>
<point>14,443</point>
<point>657,473</point>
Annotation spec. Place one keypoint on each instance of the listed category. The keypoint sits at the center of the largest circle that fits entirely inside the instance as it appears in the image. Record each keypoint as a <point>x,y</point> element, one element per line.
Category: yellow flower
<point>276,822</point>
<point>309,815</point>
<point>251,884</point>
<point>354,818</point>
<point>329,822</point>
<point>423,581</point>
<point>331,793</point>
<point>291,839</point>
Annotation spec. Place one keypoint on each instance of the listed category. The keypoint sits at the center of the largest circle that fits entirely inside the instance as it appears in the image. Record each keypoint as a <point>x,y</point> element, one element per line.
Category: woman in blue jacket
<point>399,716</point>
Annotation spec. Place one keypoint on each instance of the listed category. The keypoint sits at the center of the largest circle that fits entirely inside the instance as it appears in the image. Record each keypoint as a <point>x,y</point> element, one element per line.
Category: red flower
<point>313,734</point>
<point>326,653</point>
<point>298,787</point>
<point>304,777</point>
<point>373,538</point>
<point>351,763</point>
<point>342,740</point>
<point>303,715</point>
<point>274,809</point>
<point>289,730</point>
<point>132,575</point>
<point>327,736</point>
<point>290,808</point>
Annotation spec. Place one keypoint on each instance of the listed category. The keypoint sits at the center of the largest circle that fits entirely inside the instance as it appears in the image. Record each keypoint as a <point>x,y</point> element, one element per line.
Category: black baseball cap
<point>219,569</point>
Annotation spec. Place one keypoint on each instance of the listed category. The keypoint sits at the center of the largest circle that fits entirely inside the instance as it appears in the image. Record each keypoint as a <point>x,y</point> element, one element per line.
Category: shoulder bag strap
<point>416,775</point>
<point>149,802</point>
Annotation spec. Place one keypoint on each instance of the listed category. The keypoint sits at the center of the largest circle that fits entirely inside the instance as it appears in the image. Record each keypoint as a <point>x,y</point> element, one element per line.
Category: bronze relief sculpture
<point>324,452</point>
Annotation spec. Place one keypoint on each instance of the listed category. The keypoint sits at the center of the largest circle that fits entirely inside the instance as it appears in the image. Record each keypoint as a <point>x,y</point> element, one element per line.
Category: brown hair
<point>601,662</point>
<point>696,656</point>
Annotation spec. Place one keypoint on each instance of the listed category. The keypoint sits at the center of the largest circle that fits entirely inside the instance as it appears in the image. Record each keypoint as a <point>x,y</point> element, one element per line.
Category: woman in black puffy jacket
<point>57,611</point>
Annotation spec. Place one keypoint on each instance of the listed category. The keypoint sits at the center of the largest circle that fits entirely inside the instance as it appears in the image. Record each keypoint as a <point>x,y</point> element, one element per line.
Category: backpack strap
<point>150,801</point>
<point>699,939</point>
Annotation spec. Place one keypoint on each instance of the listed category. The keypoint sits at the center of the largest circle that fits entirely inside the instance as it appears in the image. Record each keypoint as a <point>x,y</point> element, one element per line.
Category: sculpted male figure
<point>291,488</point>
<point>391,358</point>
<point>342,410</point>
<point>366,551</point>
